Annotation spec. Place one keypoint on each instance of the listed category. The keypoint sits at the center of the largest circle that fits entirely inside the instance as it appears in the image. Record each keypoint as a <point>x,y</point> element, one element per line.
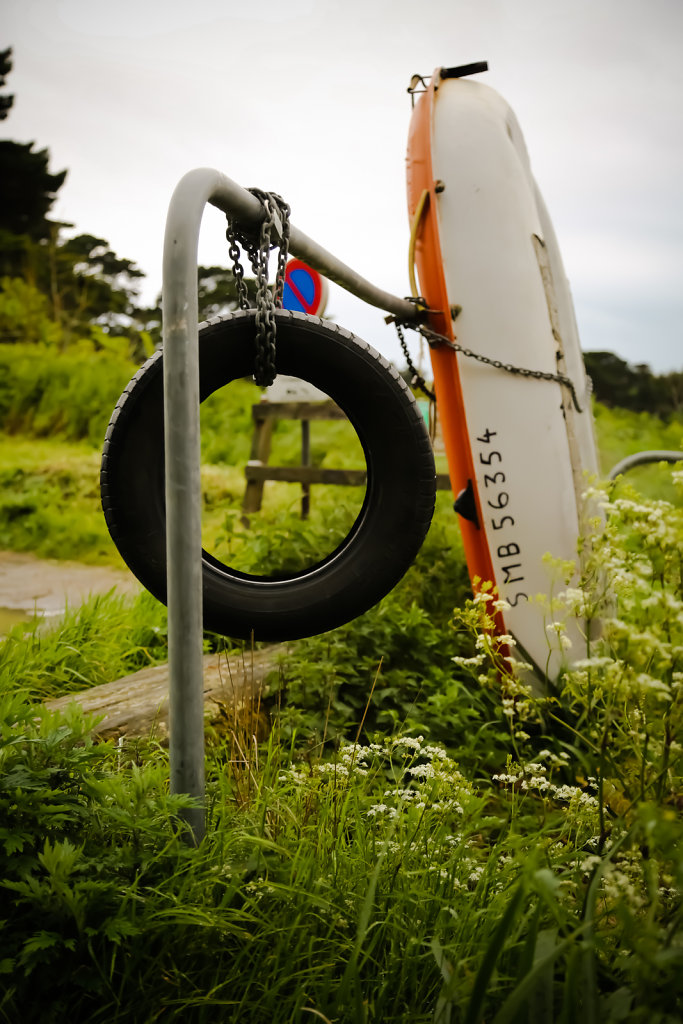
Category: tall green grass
<point>101,640</point>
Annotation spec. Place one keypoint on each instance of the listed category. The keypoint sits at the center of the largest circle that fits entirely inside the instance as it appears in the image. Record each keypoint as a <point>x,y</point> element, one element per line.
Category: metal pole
<point>640,459</point>
<point>182,454</point>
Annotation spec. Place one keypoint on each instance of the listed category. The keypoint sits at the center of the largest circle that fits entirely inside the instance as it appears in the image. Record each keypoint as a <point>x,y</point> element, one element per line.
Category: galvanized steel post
<point>182,450</point>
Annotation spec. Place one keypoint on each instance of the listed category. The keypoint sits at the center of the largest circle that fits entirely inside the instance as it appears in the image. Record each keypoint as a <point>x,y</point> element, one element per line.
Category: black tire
<point>389,529</point>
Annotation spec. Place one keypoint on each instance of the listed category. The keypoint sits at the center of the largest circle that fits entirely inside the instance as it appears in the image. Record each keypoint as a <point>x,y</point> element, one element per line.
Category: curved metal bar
<point>182,455</point>
<point>333,269</point>
<point>236,201</point>
<point>640,458</point>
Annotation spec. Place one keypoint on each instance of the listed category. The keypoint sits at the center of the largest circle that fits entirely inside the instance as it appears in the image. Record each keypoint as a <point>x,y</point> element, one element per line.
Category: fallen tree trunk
<point>137,704</point>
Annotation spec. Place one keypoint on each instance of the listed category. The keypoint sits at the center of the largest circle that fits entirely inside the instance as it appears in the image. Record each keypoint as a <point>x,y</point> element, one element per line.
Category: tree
<point>90,287</point>
<point>217,291</point>
<point>612,377</point>
<point>617,383</point>
<point>5,68</point>
<point>28,191</point>
<point>95,284</point>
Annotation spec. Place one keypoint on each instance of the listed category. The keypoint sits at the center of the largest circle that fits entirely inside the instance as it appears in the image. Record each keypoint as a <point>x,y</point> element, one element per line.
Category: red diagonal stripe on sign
<point>298,295</point>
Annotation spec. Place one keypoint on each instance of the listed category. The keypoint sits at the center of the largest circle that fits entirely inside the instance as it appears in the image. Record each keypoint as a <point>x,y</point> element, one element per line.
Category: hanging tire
<point>389,529</point>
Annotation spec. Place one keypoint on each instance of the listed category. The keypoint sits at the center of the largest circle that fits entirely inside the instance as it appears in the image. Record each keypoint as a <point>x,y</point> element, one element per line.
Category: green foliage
<point>28,188</point>
<point>217,291</point>
<point>82,281</point>
<point>28,192</point>
<point>226,423</point>
<point>405,643</point>
<point>25,314</point>
<point>612,754</point>
<point>79,851</point>
<point>631,679</point>
<point>94,285</point>
<point>44,393</point>
<point>75,287</point>
<point>621,432</point>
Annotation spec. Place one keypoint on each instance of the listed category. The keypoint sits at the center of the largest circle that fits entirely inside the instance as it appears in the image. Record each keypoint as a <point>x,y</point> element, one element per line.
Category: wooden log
<point>137,704</point>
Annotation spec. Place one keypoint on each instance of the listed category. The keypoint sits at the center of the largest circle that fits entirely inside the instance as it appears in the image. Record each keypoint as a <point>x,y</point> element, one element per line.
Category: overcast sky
<point>308,98</point>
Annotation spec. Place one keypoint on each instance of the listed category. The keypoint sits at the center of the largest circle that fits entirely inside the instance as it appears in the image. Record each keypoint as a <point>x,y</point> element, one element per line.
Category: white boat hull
<point>530,450</point>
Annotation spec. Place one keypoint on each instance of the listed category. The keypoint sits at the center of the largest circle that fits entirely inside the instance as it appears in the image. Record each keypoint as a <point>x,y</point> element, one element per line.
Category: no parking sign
<point>305,289</point>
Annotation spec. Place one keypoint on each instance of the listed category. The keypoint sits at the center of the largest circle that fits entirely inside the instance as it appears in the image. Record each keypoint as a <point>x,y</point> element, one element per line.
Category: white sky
<point>308,98</point>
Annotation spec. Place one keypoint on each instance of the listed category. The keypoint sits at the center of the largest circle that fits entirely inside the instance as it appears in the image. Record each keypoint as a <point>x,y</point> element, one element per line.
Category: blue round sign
<point>305,290</point>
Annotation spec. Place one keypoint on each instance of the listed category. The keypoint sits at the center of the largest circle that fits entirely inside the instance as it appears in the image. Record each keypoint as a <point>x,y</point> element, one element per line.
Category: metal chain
<point>276,217</point>
<point>435,340</point>
<point>416,380</point>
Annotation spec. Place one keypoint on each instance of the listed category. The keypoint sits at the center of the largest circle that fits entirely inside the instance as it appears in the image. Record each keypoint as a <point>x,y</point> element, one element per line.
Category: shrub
<point>45,393</point>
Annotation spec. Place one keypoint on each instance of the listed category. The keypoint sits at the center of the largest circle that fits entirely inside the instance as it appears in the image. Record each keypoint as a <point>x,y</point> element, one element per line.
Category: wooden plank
<point>305,475</point>
<point>297,411</point>
<point>260,452</point>
<point>317,475</point>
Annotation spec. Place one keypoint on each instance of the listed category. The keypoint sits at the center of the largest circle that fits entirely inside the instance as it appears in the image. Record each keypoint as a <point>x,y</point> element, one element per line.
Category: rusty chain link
<point>276,217</point>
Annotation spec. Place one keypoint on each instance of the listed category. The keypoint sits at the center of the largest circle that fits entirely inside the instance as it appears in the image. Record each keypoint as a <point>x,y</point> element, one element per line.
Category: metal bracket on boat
<point>181,433</point>
<point>416,80</point>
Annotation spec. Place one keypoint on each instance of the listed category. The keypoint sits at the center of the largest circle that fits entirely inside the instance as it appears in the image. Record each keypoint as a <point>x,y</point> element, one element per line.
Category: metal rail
<point>182,449</point>
<point>640,458</point>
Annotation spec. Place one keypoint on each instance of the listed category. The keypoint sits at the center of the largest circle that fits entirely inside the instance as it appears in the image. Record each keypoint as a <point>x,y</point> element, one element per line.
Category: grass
<point>49,500</point>
<point>621,433</point>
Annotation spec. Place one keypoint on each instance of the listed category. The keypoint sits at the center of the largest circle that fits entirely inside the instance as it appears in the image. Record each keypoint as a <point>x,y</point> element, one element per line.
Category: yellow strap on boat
<point>417,217</point>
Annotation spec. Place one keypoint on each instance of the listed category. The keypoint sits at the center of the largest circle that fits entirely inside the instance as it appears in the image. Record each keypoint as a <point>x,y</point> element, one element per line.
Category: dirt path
<point>48,586</point>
